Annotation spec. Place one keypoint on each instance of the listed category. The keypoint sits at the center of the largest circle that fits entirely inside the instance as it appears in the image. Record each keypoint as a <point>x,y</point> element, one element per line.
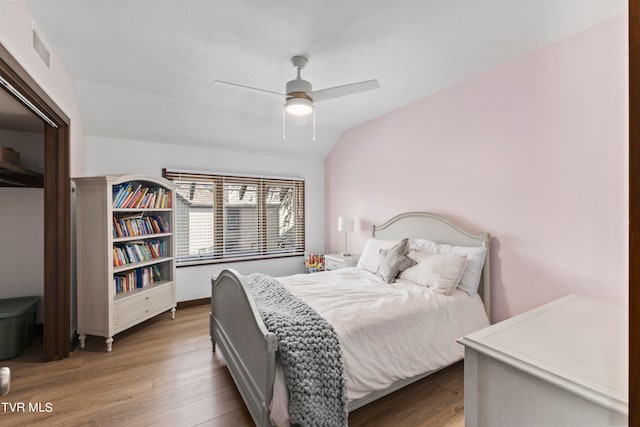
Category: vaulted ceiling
<point>144,69</point>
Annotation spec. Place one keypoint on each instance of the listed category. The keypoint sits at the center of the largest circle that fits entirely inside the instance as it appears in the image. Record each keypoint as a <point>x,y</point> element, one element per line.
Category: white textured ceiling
<point>143,69</point>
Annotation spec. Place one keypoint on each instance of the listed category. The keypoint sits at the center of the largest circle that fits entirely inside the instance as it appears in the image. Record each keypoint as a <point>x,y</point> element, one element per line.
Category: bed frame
<point>250,349</point>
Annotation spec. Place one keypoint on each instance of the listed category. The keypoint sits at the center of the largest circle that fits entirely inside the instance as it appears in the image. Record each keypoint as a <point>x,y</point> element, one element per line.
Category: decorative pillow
<point>393,261</point>
<point>424,245</point>
<point>475,260</point>
<point>439,271</point>
<point>370,258</point>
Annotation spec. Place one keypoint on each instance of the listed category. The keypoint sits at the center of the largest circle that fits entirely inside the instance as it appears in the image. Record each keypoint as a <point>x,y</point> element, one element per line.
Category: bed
<point>250,350</point>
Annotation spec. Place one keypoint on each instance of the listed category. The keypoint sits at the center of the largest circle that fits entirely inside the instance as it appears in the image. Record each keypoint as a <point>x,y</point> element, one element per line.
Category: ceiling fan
<point>300,96</point>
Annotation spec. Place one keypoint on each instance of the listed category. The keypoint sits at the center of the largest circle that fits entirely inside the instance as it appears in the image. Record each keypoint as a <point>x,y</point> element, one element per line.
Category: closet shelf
<point>16,176</point>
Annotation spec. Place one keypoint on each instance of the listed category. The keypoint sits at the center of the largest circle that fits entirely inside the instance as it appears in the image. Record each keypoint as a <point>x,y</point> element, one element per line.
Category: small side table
<point>337,261</point>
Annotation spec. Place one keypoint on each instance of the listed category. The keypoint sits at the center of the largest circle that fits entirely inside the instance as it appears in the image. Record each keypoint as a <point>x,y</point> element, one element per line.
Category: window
<point>227,217</point>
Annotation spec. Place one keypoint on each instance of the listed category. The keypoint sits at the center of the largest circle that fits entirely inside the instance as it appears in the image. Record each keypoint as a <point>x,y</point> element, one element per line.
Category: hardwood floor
<point>163,373</point>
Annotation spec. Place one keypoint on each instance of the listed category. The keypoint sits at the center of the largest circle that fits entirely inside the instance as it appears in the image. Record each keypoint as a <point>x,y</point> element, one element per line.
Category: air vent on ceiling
<point>40,48</point>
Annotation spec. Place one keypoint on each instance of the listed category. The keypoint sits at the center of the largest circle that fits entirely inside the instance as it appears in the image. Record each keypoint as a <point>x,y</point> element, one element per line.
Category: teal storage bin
<point>17,325</point>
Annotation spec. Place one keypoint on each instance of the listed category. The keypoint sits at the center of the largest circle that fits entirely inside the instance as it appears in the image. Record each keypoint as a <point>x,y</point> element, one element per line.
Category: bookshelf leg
<point>109,342</point>
<point>173,313</point>
<point>82,339</point>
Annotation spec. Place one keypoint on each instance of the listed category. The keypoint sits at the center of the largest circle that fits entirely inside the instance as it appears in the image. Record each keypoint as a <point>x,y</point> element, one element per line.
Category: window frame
<point>264,182</point>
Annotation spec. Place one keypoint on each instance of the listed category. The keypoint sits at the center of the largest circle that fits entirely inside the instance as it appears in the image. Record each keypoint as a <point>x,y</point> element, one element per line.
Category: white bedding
<point>388,332</point>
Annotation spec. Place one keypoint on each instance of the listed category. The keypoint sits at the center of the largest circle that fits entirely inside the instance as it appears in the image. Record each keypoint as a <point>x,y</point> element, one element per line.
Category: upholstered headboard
<point>423,225</point>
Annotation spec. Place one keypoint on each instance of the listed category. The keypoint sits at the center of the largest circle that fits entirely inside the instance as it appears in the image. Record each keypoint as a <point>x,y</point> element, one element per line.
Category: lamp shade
<point>345,224</point>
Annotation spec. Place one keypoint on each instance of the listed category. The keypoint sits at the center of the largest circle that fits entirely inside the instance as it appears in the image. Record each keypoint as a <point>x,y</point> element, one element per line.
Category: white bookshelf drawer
<point>142,305</point>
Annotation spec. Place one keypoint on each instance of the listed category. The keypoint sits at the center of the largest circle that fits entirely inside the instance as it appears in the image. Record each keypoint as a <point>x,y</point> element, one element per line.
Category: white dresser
<point>562,364</point>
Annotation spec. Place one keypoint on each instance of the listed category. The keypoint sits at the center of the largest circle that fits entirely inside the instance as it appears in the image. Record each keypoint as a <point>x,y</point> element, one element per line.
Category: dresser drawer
<point>139,307</point>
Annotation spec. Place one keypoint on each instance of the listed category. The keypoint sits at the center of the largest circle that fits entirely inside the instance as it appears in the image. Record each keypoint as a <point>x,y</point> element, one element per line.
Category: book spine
<point>122,196</point>
<point>121,190</point>
<point>138,200</point>
<point>116,193</point>
<point>126,202</point>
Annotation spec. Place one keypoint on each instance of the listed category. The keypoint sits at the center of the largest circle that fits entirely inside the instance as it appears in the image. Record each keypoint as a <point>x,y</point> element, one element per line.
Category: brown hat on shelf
<point>9,155</point>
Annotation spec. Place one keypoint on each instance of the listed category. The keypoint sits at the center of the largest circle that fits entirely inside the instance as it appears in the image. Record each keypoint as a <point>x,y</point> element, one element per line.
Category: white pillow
<point>370,258</point>
<point>439,271</point>
<point>475,260</point>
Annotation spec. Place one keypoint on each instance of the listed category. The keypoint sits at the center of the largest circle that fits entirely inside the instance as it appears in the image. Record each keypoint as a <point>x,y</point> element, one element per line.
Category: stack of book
<point>125,196</point>
<point>138,278</point>
<point>139,225</point>
<point>138,252</point>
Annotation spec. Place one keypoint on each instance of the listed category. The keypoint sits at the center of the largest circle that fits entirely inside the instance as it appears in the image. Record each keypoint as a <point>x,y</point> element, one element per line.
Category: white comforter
<point>388,332</point>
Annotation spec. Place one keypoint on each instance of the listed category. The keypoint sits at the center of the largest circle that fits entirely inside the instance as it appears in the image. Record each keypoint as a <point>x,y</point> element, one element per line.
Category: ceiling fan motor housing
<point>298,88</point>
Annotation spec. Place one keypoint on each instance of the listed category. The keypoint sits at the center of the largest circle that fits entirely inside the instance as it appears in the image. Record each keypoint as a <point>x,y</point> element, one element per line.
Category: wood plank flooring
<point>163,373</point>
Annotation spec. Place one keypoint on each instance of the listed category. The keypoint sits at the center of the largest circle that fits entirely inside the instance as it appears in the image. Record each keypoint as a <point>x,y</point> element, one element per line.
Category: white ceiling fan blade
<point>220,82</point>
<point>335,92</point>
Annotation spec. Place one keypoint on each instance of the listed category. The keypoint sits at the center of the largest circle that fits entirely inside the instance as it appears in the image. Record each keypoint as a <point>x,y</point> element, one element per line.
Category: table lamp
<point>345,224</point>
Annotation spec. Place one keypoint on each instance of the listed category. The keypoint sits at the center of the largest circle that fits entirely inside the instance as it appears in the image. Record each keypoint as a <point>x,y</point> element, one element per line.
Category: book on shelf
<point>145,200</point>
<point>142,197</point>
<point>136,202</point>
<point>120,192</point>
<point>139,225</point>
<point>130,196</point>
<point>134,252</point>
<point>136,279</point>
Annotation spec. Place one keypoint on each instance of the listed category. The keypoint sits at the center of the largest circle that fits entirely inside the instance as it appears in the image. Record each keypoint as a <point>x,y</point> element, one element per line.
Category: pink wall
<point>533,151</point>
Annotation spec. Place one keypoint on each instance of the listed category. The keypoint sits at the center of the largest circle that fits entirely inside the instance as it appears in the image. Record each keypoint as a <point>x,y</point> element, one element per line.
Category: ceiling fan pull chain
<point>314,125</point>
<point>284,124</point>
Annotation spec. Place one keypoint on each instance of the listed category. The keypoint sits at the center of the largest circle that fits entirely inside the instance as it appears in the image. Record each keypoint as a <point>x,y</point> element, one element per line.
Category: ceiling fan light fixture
<point>298,106</point>
<point>300,96</point>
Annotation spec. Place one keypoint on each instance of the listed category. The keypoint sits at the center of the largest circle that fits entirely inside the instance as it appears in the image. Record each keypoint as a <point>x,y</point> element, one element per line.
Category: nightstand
<point>337,261</point>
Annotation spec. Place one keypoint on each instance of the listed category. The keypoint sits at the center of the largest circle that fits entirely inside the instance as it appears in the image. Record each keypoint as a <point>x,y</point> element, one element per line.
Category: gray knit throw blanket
<point>309,352</point>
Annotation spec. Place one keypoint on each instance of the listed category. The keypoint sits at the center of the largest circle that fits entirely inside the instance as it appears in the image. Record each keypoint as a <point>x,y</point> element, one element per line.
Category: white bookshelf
<point>145,267</point>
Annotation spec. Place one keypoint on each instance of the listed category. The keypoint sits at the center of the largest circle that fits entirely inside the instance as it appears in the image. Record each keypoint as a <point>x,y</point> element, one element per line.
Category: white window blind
<point>227,217</point>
